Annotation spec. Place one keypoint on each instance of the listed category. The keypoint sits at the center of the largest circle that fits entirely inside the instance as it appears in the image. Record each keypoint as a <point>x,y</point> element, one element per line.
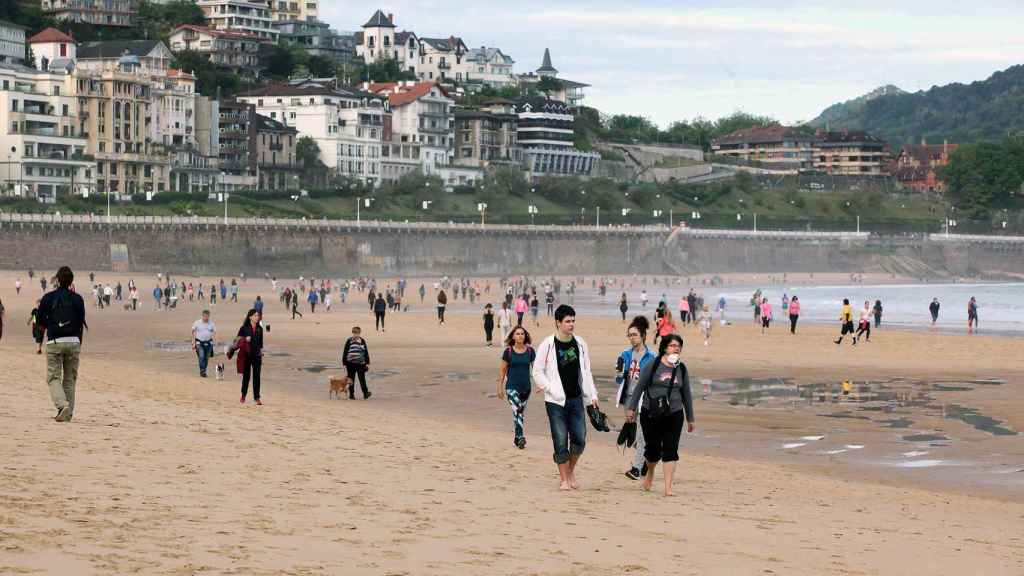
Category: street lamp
<point>426,204</point>
<point>359,203</point>
<point>533,212</point>
<point>222,197</point>
<point>481,207</point>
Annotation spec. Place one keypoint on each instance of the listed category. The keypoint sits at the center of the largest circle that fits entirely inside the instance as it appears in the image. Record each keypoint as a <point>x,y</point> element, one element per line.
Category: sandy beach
<point>162,472</point>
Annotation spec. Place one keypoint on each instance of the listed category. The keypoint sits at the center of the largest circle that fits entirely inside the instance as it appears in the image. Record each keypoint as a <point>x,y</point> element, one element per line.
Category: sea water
<point>1000,305</point>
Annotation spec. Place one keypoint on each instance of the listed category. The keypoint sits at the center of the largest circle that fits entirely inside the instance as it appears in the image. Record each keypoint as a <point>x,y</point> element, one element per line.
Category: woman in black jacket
<point>664,388</point>
<point>252,333</point>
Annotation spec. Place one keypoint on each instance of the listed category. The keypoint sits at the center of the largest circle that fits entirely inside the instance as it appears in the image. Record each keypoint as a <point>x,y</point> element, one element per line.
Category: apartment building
<point>237,152</point>
<point>119,13</point>
<point>347,124</point>
<point>195,168</point>
<point>277,167</point>
<point>304,10</point>
<point>250,16</point>
<point>487,65</point>
<point>229,48</point>
<point>317,38</point>
<point>777,147</point>
<point>487,137</point>
<point>12,42</point>
<point>41,147</point>
<point>851,154</point>
<point>545,132</point>
<point>422,118</point>
<point>442,58</point>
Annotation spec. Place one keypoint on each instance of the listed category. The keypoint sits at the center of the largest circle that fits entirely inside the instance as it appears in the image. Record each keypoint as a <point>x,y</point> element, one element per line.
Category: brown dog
<point>339,386</point>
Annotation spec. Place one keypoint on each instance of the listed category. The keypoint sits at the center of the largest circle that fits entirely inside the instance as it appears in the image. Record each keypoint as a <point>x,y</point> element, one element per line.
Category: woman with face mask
<point>664,387</point>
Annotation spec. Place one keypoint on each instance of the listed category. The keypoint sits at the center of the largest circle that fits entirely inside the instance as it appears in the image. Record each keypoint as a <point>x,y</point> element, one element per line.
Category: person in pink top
<point>521,307</point>
<point>794,314</point>
<point>665,326</point>
<point>684,310</point>
<point>766,315</point>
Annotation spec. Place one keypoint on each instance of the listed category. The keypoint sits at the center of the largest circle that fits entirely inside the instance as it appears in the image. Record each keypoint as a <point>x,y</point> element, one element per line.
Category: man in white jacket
<point>563,372</point>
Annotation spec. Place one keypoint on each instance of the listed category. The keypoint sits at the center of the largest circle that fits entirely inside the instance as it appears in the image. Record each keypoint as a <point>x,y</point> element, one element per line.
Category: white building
<point>150,57</point>
<point>442,58</point>
<point>421,114</point>
<point>42,151</point>
<point>249,16</point>
<point>52,46</point>
<point>294,10</point>
<point>231,48</point>
<point>12,42</point>
<point>347,125</point>
<point>380,41</point>
<point>489,66</point>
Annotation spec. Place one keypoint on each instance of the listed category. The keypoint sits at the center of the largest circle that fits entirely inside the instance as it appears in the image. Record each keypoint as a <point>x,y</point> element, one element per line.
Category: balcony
<point>442,65</point>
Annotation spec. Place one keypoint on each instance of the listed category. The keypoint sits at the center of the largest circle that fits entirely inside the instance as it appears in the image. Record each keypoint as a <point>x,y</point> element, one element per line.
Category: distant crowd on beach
<point>653,384</point>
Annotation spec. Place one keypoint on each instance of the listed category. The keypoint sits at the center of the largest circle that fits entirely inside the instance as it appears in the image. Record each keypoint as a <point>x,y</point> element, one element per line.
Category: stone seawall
<point>378,251</point>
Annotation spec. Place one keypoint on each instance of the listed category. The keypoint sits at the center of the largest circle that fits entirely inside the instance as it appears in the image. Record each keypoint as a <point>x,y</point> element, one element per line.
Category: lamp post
<point>359,202</point>
<point>533,212</point>
<point>598,221</point>
<point>482,208</point>
<point>224,198</point>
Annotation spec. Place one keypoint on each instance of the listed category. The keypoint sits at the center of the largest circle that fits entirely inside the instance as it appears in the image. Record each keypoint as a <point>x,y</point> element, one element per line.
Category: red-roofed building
<point>50,45</point>
<point>422,132</point>
<point>917,166</point>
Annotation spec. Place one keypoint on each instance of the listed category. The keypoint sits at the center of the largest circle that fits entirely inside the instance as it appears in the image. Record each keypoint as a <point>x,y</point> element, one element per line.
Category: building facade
<point>148,57</point>
<point>249,16</point>
<point>304,10</point>
<point>442,59</point>
<point>489,66</point>
<point>919,167</point>
<point>276,165</point>
<point>487,137</point>
<point>851,154</point>
<point>545,133</point>
<point>777,147</point>
<point>348,125</point>
<point>119,13</point>
<point>567,91</point>
<point>12,43</point>
<point>317,38</point>
<point>230,48</point>
<point>421,115</point>
<point>41,146</point>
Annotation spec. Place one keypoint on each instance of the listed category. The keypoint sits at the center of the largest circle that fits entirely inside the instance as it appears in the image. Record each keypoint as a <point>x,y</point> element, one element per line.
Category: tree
<point>278,61</point>
<point>314,171</point>
<point>387,70</point>
<point>986,176</point>
<point>211,79</point>
<point>549,84</point>
<point>157,20</point>
<point>320,67</point>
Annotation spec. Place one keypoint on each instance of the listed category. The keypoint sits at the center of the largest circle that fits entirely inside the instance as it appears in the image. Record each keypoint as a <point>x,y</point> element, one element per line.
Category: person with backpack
<point>663,397</point>
<point>514,379</point>
<point>630,364</point>
<point>62,315</point>
<point>355,357</point>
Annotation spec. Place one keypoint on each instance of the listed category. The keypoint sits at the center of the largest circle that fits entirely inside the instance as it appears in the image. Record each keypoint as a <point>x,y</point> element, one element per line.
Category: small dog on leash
<point>339,386</point>
<point>220,371</point>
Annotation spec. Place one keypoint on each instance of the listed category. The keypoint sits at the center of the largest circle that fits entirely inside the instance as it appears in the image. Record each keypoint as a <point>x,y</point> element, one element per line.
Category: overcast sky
<point>680,59</point>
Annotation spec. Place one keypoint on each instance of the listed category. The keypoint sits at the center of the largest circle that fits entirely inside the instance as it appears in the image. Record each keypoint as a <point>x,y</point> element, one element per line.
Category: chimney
<point>391,17</point>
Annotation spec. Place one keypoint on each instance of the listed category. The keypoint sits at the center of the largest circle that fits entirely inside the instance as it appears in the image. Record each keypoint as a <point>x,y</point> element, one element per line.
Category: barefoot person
<point>514,378</point>
<point>631,363</point>
<point>489,324</point>
<point>663,397</point>
<point>846,319</point>
<point>62,315</point>
<point>203,332</point>
<point>794,314</point>
<point>864,323</point>
<point>504,321</point>
<point>972,316</point>
<point>250,345</point>
<point>355,357</point>
<point>563,373</point>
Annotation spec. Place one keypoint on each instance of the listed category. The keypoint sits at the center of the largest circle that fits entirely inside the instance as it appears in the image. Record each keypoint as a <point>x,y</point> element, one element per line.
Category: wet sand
<point>162,472</point>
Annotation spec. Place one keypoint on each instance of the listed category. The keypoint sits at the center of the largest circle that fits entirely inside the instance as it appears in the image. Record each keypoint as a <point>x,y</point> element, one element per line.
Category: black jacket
<point>255,336</point>
<point>73,325</point>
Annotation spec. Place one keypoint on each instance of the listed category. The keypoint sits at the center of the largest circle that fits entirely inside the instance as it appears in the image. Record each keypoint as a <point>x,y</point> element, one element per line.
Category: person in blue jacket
<point>628,367</point>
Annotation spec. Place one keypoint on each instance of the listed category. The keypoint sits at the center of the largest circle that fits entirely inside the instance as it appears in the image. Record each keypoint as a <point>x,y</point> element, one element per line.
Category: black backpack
<point>64,320</point>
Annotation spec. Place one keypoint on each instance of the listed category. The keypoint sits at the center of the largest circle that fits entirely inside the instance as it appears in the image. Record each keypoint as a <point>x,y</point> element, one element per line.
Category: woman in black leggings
<point>380,308</point>
<point>250,337</point>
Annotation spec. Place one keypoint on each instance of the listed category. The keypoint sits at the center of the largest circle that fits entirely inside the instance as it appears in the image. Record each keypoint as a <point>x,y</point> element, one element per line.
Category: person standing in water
<point>766,315</point>
<point>972,316</point>
<point>630,364</point>
<point>877,311</point>
<point>563,372</point>
<point>794,313</point>
<point>663,396</point>
<point>933,308</point>
<point>846,320</point>
<point>489,324</point>
<point>514,379</point>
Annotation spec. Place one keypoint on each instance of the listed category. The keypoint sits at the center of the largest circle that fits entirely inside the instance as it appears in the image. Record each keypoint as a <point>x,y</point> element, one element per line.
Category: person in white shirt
<point>864,327</point>
<point>504,321</point>
<point>562,371</point>
<point>203,333</point>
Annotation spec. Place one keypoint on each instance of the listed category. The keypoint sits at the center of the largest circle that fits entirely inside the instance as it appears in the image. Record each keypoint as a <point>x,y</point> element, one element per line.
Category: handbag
<point>661,406</point>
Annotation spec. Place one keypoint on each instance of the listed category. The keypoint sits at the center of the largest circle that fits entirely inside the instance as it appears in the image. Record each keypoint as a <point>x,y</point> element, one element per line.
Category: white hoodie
<point>545,373</point>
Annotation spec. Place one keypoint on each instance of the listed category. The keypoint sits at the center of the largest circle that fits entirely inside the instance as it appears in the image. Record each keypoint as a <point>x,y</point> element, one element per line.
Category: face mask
<point>673,359</point>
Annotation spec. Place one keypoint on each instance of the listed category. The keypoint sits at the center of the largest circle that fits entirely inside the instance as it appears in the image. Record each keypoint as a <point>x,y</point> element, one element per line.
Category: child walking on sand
<point>705,324</point>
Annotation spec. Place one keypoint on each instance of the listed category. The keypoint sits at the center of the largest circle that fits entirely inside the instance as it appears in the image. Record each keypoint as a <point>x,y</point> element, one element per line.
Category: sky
<point>680,60</point>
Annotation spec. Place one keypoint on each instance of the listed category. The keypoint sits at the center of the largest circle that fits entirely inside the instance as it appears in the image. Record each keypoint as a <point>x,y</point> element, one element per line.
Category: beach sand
<point>162,472</point>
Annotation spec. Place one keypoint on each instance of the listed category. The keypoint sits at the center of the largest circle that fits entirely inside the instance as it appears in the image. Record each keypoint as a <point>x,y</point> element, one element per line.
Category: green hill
<point>845,113</point>
<point>983,110</point>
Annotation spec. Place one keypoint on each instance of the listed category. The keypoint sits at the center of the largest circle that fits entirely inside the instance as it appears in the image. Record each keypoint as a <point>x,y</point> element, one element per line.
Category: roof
<point>272,90</point>
<point>449,44</point>
<point>10,24</point>
<point>546,64</point>
<point>379,20</point>
<point>264,123</point>
<point>926,154</point>
<point>50,35</point>
<point>486,54</point>
<point>116,48</point>
<point>762,135</point>
<point>175,73</point>
<point>231,34</point>
<point>849,137</point>
<point>402,37</point>
<point>400,94</point>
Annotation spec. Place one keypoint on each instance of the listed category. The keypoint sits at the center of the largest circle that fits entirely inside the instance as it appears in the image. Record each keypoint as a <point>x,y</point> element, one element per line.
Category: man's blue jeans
<point>568,428</point>
<point>204,350</point>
